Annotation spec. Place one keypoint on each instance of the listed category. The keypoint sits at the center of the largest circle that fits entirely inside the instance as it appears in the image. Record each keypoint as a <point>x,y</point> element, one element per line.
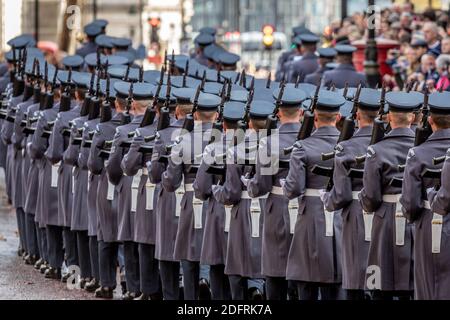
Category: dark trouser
<point>239,287</point>
<point>310,291</point>
<point>170,279</point>
<point>84,257</point>
<point>148,269</point>
<point>70,247</point>
<point>356,295</point>
<point>55,246</point>
<point>41,234</point>
<point>191,278</point>
<point>131,255</point>
<point>220,286</point>
<point>389,295</point>
<point>107,252</point>
<point>21,227</point>
<point>93,253</point>
<point>30,229</point>
<point>276,288</point>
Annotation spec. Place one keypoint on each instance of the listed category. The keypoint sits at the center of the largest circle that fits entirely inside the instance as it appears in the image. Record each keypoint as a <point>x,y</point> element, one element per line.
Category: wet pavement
<point>17,280</point>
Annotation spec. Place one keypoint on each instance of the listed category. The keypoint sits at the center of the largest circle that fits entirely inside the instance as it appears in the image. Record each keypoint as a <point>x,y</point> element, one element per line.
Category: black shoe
<point>104,293</point>
<point>20,252</point>
<point>204,293</point>
<point>38,263</point>
<point>142,297</point>
<point>92,286</point>
<point>123,285</point>
<point>44,267</point>
<point>84,282</point>
<point>156,296</point>
<point>66,276</point>
<point>256,295</point>
<point>130,295</point>
<point>52,273</point>
<point>31,260</point>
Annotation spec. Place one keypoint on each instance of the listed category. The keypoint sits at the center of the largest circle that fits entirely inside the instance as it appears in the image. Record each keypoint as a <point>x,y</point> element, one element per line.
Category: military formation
<point>197,181</point>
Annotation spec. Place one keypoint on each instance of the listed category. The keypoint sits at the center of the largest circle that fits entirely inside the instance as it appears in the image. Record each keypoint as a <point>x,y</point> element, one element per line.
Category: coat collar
<point>400,132</point>
<point>345,66</point>
<point>443,134</point>
<point>137,119</point>
<point>364,132</point>
<point>291,127</point>
<point>326,131</point>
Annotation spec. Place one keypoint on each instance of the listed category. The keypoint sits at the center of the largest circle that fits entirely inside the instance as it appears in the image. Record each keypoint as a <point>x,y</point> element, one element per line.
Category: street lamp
<point>36,20</point>
<point>371,66</point>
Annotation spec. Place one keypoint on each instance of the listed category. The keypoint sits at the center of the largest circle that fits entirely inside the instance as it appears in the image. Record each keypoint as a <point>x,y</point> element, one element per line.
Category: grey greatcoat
<point>31,177</point>
<point>276,236</point>
<point>122,182</point>
<point>308,64</point>
<point>314,255</point>
<point>428,276</point>
<point>17,140</point>
<point>166,217</point>
<point>106,209</point>
<point>188,243</point>
<point>57,145</point>
<point>342,74</point>
<point>215,237</point>
<point>244,242</point>
<point>92,180</point>
<point>354,246</point>
<point>440,204</point>
<point>79,221</point>
<point>395,262</point>
<point>132,164</point>
<point>47,200</point>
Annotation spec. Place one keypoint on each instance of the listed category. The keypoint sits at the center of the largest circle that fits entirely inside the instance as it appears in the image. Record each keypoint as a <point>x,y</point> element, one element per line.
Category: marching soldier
<point>326,55</point>
<point>308,64</point>
<point>91,30</point>
<point>185,159</point>
<point>243,259</point>
<point>390,252</point>
<point>429,238</point>
<point>123,183</point>
<point>168,204</point>
<point>344,196</point>
<point>143,192</point>
<point>314,256</point>
<point>279,211</point>
<point>345,72</point>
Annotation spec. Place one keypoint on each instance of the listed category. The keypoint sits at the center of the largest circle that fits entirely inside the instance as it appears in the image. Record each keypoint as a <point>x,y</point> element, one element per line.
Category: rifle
<point>424,131</point>
<point>87,99</point>
<point>308,120</point>
<point>218,124</point>
<point>272,119</point>
<point>126,116</point>
<point>105,113</point>
<point>66,97</point>
<point>269,79</point>
<point>188,124</point>
<point>186,72</point>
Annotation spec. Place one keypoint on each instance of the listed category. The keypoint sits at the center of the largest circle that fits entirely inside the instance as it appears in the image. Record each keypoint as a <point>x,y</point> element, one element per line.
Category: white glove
<point>322,194</point>
<point>245,181</point>
<point>282,182</point>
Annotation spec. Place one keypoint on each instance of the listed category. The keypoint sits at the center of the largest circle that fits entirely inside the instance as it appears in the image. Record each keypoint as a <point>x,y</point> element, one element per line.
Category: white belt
<point>367,217</point>
<point>312,193</point>
<point>54,178</point>
<point>197,206</point>
<point>426,205</point>
<point>277,191</point>
<point>135,190</point>
<point>355,195</point>
<point>400,220</point>
<point>189,187</point>
<point>329,216</point>
<point>292,207</point>
<point>144,171</point>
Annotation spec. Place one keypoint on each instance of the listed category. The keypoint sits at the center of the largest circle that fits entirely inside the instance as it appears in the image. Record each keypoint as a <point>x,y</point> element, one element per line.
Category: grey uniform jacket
<point>57,145</point>
<point>429,274</point>
<point>47,200</point>
<point>166,217</point>
<point>354,247</point>
<point>342,74</point>
<point>214,245</point>
<point>303,67</point>
<point>440,204</point>
<point>122,182</point>
<point>281,63</point>
<point>18,198</point>
<point>315,77</point>
<point>106,209</point>
<point>31,178</point>
<point>394,261</point>
<point>188,243</point>
<point>244,242</point>
<point>92,180</point>
<point>79,219</point>
<point>314,256</point>
<point>133,163</point>
<point>276,238</point>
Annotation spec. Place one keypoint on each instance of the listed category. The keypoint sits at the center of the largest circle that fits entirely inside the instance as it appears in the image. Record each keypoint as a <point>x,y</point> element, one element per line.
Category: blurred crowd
<point>423,55</point>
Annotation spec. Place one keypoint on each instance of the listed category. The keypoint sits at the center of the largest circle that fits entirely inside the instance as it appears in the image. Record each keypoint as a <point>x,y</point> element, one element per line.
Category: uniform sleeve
<point>56,143</point>
<point>340,195</point>
<point>203,181</point>
<point>83,155</point>
<point>440,200</point>
<point>172,177</point>
<point>411,198</point>
<point>230,192</point>
<point>17,137</point>
<point>261,183</point>
<point>95,162</point>
<point>38,143</point>
<point>371,195</point>
<point>71,153</point>
<point>132,161</point>
<point>157,168</point>
<point>295,183</point>
<point>7,129</point>
<point>113,166</point>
